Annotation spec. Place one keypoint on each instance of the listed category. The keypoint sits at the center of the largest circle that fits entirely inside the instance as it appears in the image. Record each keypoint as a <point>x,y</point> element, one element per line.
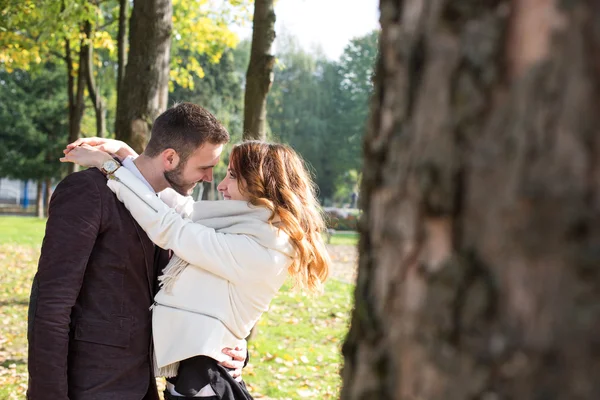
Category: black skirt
<point>197,372</point>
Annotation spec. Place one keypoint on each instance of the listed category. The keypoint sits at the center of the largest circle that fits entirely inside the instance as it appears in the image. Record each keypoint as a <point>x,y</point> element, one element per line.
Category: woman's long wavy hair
<point>274,176</point>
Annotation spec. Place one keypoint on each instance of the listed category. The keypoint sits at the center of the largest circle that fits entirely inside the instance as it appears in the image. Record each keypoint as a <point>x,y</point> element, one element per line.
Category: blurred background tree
<point>259,77</point>
<point>34,126</point>
<point>320,107</point>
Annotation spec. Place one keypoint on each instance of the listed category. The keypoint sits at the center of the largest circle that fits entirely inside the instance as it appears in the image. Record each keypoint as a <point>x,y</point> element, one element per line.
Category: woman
<point>231,258</point>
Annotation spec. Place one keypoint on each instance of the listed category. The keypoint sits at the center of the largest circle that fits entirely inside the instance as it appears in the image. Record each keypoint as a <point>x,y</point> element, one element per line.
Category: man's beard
<point>176,182</point>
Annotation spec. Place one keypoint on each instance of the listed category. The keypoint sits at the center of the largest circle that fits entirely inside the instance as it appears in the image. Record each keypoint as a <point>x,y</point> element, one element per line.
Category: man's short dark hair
<point>184,128</point>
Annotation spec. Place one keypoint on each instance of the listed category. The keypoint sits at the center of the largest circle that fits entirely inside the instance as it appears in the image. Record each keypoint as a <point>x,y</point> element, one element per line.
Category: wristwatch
<point>110,166</point>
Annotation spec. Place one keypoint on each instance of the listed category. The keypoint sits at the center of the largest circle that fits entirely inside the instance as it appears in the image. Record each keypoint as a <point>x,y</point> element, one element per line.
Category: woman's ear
<point>170,159</point>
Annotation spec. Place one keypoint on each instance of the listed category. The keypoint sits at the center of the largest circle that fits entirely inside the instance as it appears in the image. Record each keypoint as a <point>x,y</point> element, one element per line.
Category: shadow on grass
<point>8,362</point>
<point>14,303</point>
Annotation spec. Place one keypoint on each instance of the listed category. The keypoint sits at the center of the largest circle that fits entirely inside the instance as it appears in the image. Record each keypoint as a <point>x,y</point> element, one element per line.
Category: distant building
<point>14,192</point>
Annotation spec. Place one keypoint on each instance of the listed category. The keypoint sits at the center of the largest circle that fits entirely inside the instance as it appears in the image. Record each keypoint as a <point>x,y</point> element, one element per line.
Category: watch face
<point>110,166</point>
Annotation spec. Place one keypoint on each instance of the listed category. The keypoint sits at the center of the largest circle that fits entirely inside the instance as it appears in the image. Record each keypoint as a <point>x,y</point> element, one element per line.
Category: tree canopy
<point>33,120</point>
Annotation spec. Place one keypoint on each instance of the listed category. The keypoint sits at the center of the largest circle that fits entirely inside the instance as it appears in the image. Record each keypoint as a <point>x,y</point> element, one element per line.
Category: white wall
<point>12,191</point>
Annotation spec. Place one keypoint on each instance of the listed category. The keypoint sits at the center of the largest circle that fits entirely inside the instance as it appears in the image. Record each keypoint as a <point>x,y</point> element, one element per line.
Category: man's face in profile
<point>197,168</point>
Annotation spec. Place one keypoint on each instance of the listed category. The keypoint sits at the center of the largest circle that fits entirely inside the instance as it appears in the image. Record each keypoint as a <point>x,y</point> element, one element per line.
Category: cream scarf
<point>229,217</point>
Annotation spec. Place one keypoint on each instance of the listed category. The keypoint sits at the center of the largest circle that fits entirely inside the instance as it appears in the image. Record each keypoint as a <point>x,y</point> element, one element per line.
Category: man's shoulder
<point>90,177</point>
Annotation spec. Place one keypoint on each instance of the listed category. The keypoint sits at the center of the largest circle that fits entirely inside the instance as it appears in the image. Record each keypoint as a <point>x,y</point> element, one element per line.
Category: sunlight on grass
<point>22,230</point>
<point>18,266</point>
<point>344,238</point>
<point>296,353</point>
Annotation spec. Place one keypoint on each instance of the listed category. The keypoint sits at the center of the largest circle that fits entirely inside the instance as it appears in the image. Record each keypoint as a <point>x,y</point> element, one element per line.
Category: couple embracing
<point>136,280</point>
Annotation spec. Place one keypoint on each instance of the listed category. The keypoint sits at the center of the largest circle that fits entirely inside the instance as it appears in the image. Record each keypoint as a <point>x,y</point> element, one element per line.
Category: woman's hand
<point>111,146</point>
<point>86,156</point>
<point>236,364</point>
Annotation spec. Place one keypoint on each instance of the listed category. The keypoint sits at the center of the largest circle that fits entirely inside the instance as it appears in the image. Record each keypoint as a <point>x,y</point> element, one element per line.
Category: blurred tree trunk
<point>144,89</point>
<point>260,70</point>
<point>47,195</point>
<point>75,93</point>
<point>93,89</point>
<point>480,241</point>
<point>39,205</point>
<point>206,188</point>
<point>122,44</point>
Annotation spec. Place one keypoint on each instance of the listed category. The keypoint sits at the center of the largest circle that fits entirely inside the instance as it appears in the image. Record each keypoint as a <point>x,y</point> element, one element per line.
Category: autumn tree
<point>260,70</point>
<point>156,29</point>
<point>90,38</point>
<point>144,89</point>
<point>478,274</point>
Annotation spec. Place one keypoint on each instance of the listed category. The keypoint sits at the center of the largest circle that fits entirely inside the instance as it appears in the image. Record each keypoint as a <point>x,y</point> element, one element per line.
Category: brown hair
<point>274,176</point>
<point>183,128</point>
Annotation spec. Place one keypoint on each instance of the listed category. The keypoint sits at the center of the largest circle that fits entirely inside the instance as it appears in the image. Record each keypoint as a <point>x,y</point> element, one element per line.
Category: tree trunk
<point>93,89</point>
<point>122,43</point>
<point>47,195</point>
<point>75,94</point>
<point>260,70</point>
<point>142,92</point>
<point>121,49</point>
<point>479,250</point>
<point>39,205</point>
<point>206,188</point>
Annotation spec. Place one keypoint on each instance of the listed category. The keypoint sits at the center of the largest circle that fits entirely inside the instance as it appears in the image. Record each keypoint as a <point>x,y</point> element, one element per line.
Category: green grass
<point>18,266</point>
<point>25,231</point>
<point>344,238</point>
<point>295,353</point>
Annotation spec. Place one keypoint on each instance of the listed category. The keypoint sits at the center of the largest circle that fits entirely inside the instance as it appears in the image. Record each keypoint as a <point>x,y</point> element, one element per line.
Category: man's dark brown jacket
<point>89,320</point>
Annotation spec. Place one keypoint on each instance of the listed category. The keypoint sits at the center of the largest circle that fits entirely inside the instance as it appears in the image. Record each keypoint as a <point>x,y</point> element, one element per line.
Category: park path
<point>345,262</point>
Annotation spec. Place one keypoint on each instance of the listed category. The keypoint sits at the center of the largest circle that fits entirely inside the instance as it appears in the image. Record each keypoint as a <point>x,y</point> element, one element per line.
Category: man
<point>89,321</point>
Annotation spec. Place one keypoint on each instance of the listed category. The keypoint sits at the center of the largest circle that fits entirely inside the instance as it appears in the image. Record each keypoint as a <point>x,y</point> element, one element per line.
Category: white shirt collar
<point>130,165</point>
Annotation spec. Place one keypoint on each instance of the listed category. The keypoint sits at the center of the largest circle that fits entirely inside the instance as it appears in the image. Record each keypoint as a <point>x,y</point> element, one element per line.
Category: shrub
<point>341,219</point>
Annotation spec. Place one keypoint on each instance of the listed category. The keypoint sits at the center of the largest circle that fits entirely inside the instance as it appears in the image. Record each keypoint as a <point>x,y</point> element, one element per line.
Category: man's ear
<point>170,159</point>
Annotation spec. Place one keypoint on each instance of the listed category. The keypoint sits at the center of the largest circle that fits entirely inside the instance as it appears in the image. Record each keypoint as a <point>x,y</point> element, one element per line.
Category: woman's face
<point>229,187</point>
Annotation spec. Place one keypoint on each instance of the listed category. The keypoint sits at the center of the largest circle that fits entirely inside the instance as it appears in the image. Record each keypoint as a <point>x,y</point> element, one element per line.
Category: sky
<point>328,24</point>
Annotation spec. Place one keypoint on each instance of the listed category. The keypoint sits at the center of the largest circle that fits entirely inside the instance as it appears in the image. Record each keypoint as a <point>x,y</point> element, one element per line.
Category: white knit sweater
<point>238,262</point>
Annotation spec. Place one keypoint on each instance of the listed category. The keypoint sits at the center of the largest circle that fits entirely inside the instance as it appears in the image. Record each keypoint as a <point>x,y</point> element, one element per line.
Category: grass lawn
<point>294,355</point>
<point>344,238</point>
<point>25,231</point>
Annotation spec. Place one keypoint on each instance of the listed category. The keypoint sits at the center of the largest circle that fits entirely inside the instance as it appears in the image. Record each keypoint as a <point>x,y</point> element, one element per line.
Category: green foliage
<point>201,28</point>
<point>342,219</point>
<point>219,91</point>
<point>299,110</point>
<point>320,108</point>
<point>34,32</point>
<point>33,117</point>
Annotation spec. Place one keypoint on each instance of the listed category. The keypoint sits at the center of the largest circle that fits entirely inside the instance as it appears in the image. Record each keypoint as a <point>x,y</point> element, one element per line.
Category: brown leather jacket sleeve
<point>73,225</point>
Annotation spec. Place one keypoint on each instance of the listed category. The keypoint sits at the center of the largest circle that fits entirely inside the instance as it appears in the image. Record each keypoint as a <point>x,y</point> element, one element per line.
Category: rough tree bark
<point>143,91</point>
<point>259,77</point>
<point>480,241</point>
